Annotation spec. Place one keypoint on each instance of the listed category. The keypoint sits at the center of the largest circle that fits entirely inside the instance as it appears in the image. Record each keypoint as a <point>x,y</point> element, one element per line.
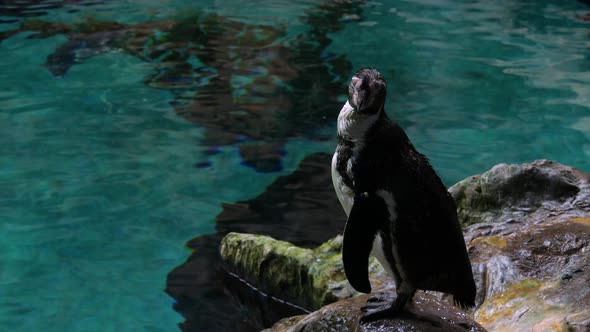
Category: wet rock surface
<point>507,196</point>
<point>537,279</point>
<point>426,313</point>
<point>315,280</point>
<point>530,251</point>
<point>529,238</point>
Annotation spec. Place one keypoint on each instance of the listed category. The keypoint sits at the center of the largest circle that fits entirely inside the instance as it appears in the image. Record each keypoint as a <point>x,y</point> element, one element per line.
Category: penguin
<point>398,208</point>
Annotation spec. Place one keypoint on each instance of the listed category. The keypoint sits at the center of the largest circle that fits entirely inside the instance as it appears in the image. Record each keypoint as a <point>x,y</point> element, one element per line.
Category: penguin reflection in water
<point>398,208</point>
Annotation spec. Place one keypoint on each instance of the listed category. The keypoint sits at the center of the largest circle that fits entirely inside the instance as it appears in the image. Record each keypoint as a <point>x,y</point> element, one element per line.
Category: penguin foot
<point>386,304</point>
<point>376,310</point>
<point>378,301</point>
<point>383,297</point>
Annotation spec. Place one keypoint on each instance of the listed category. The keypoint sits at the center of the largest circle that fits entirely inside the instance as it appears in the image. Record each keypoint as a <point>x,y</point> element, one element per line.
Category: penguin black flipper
<point>367,212</point>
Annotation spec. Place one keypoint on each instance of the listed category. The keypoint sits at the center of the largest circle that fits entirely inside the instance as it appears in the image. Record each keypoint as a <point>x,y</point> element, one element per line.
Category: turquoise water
<point>102,179</point>
<point>484,82</point>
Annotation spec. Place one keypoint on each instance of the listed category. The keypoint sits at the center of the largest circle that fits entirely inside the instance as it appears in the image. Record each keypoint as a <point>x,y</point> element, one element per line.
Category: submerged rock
<point>252,86</point>
<point>529,243</point>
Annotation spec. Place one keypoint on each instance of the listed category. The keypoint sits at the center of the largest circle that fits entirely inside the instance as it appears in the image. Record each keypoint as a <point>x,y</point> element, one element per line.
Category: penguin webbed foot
<point>382,297</point>
<point>378,310</point>
<point>384,305</point>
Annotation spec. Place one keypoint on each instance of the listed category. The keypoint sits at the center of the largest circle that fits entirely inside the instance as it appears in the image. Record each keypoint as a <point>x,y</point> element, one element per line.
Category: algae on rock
<point>305,277</point>
<point>315,279</point>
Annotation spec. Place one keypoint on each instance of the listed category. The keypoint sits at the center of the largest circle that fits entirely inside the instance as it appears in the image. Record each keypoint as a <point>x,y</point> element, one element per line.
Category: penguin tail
<point>465,297</point>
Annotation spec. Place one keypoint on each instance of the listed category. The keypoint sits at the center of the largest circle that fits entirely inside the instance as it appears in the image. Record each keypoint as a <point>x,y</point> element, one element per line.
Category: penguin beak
<point>357,94</point>
<point>359,99</point>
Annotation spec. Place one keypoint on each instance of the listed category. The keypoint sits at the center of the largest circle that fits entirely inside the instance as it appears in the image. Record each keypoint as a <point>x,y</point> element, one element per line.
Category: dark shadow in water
<point>253,86</point>
<point>300,208</point>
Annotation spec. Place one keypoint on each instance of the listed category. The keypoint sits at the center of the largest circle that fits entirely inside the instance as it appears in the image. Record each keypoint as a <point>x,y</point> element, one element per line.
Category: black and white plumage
<point>398,208</point>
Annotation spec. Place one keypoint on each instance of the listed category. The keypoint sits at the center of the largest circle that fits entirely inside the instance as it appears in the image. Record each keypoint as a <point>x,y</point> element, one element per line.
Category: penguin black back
<point>397,205</point>
<point>429,237</point>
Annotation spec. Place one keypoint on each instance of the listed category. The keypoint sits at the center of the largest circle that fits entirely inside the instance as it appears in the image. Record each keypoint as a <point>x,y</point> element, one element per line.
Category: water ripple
<point>98,184</point>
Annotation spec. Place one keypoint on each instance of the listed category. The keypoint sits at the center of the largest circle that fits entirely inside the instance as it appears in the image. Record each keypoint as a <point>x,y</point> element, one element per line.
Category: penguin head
<point>367,91</point>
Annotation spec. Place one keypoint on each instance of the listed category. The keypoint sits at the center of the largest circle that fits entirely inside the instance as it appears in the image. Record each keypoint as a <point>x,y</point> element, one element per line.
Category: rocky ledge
<point>528,233</point>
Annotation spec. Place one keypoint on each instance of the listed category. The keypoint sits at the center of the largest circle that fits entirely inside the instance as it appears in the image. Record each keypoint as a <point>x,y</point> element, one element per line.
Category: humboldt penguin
<point>398,208</point>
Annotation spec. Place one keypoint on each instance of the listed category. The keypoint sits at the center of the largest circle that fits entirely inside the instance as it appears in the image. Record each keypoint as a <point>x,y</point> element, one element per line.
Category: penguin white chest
<point>345,194</point>
<point>346,197</point>
<point>378,252</point>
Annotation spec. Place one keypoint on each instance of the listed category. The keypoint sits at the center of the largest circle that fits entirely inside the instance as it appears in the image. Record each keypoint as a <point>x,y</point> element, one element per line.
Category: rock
<point>528,192</point>
<point>315,278</point>
<point>305,277</point>
<point>528,230</point>
<point>535,279</point>
<point>426,313</point>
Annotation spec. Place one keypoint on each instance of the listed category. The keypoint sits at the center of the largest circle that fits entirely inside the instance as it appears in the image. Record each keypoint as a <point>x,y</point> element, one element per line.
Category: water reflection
<point>300,208</point>
<point>250,85</point>
<point>13,11</point>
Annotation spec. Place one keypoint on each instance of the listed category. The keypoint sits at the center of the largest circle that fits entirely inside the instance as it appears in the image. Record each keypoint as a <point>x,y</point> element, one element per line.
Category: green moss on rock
<point>278,265</point>
<point>310,278</point>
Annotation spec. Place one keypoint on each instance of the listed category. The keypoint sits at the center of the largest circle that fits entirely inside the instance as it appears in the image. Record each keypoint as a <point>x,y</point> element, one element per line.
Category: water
<point>119,145</point>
